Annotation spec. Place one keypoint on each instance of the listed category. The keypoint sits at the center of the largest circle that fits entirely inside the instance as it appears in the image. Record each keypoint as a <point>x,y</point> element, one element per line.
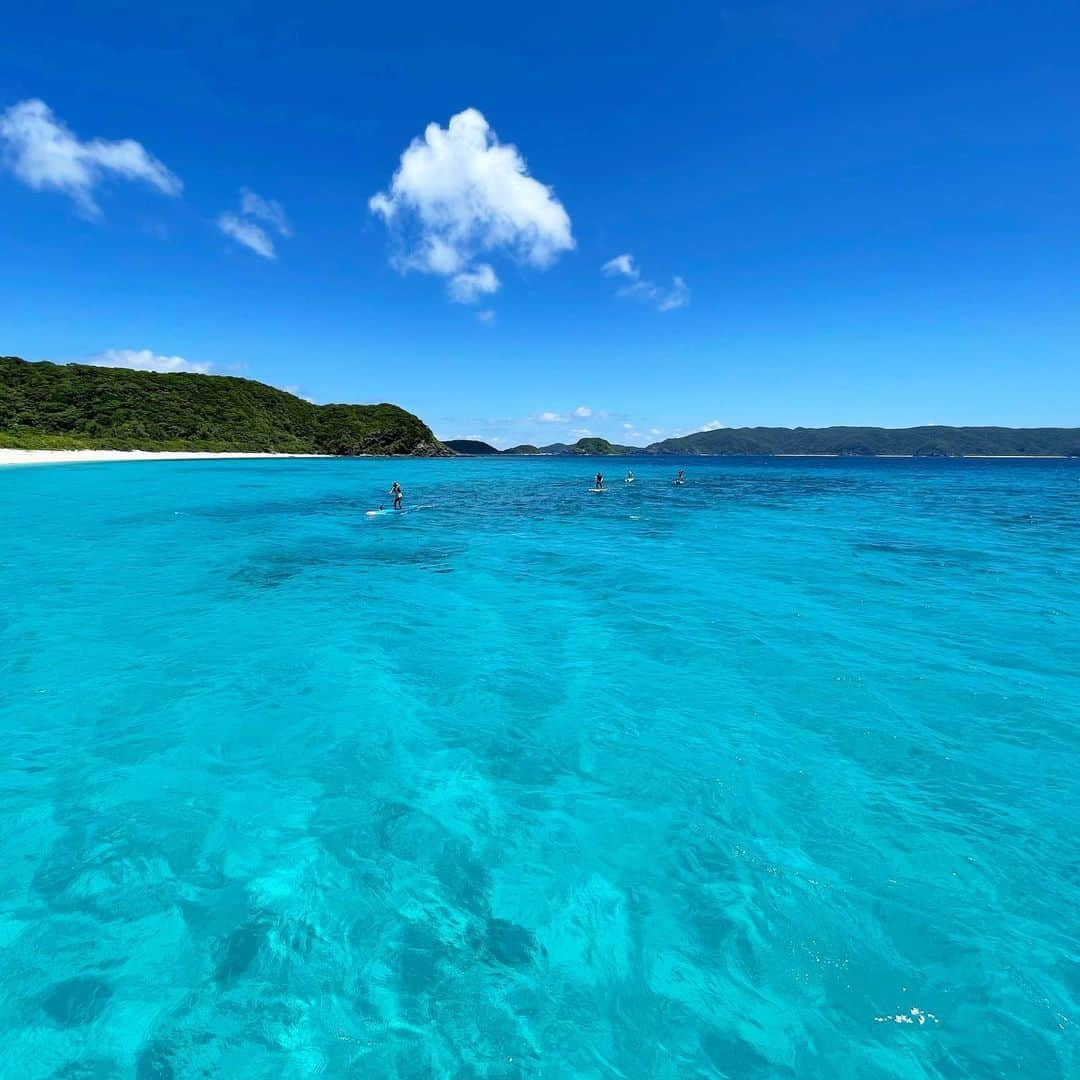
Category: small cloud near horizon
<point>294,389</point>
<point>43,153</point>
<point>638,288</point>
<point>536,428</point>
<point>146,360</point>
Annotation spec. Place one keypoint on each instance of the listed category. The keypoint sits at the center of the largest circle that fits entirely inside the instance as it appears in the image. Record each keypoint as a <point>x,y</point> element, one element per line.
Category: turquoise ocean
<point>776,774</point>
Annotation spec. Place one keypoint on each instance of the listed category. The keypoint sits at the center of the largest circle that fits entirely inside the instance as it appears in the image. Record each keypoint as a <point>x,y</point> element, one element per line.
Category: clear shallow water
<point>712,781</point>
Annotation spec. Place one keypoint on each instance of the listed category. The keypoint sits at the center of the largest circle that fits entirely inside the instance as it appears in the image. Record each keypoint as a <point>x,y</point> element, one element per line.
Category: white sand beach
<point>58,457</point>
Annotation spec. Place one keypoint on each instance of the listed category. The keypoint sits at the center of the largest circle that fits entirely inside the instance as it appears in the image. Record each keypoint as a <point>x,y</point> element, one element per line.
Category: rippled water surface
<point>774,774</point>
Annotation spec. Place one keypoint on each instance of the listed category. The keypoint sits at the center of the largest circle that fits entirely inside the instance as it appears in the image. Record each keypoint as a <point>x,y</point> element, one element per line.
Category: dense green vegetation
<point>596,446</point>
<point>75,406</point>
<point>469,447</point>
<point>930,441</point>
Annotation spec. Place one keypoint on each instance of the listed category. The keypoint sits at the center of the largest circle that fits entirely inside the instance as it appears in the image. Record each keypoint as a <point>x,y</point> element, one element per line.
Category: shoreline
<point>10,456</point>
<point>13,456</point>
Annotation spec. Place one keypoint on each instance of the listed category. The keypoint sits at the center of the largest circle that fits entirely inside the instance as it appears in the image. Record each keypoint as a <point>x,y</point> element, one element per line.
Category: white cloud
<point>552,418</point>
<point>712,425</point>
<point>43,153</point>
<point>655,431</point>
<point>622,266</point>
<point>583,411</point>
<point>676,297</point>
<point>486,316</point>
<point>638,288</point>
<point>145,360</point>
<point>252,236</point>
<point>268,210</point>
<point>628,427</point>
<point>459,194</point>
<point>582,433</point>
<point>469,285</point>
<point>244,229</point>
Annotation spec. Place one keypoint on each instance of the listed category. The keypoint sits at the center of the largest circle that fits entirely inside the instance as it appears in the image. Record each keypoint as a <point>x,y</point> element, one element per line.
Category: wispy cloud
<point>43,153</point>
<point>639,288</point>
<point>583,411</point>
<point>486,316</point>
<point>460,195</point>
<point>245,229</point>
<point>468,286</point>
<point>712,425</point>
<point>676,297</point>
<point>622,265</point>
<point>146,360</point>
<point>253,205</point>
<point>253,237</point>
<point>552,418</point>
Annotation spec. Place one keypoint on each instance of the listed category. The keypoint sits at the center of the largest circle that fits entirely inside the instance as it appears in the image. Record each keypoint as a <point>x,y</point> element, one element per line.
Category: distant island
<point>46,406</point>
<point>470,447</point>
<point>930,441</point>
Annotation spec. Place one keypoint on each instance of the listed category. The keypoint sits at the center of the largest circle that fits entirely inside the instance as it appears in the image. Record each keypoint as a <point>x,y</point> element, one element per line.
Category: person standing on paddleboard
<point>599,481</point>
<point>398,494</point>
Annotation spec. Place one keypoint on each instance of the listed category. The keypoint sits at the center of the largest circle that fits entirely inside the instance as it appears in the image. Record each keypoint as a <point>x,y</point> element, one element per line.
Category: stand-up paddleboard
<point>598,491</point>
<point>403,510</point>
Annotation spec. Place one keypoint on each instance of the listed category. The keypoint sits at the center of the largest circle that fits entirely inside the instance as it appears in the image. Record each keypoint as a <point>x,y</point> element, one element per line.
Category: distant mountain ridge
<point>587,446</point>
<point>928,441</point>
<point>77,406</point>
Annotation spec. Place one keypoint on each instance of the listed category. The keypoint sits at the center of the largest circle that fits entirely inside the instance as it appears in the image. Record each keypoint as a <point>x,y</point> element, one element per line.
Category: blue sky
<point>835,213</point>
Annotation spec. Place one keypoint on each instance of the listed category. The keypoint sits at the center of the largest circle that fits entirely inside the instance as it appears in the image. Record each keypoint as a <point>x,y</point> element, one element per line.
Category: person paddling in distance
<point>679,477</point>
<point>398,494</point>
<point>599,481</point>
<point>629,476</point>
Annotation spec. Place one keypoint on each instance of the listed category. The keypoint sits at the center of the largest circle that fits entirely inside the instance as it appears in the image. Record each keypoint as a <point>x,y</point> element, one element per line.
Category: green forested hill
<point>470,447</point>
<point>61,406</point>
<point>929,441</point>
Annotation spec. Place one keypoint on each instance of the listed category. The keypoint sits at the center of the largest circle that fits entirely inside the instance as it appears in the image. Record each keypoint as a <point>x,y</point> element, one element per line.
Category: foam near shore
<point>58,457</point>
